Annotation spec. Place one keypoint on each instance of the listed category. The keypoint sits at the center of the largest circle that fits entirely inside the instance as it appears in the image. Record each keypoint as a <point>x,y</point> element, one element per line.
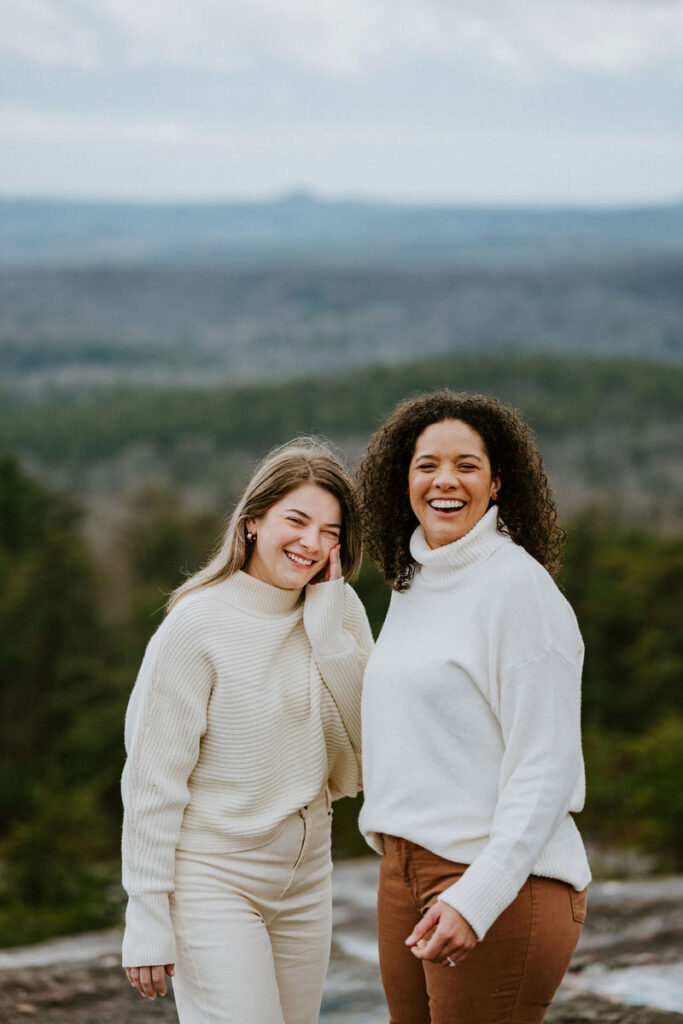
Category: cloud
<point>347,38</point>
<point>23,123</point>
<point>47,32</point>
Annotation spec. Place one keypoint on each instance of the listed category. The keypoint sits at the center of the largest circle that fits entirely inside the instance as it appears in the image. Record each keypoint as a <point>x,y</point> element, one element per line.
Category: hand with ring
<point>451,937</point>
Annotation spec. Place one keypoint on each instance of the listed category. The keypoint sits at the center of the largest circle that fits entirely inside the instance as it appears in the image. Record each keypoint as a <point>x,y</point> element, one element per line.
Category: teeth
<point>443,504</point>
<point>299,561</point>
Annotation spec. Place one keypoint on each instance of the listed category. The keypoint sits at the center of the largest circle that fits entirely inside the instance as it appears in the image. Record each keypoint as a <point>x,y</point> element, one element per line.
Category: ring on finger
<point>451,963</point>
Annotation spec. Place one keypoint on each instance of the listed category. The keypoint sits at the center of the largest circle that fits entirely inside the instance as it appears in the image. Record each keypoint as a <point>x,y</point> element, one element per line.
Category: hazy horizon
<point>343,199</point>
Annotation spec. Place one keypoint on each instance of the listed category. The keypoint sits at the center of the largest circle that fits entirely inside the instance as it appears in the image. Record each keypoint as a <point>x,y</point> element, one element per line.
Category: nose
<point>446,479</point>
<point>309,538</point>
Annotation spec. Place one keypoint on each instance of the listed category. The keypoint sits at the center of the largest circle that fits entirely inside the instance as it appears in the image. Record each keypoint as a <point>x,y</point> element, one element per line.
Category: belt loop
<point>328,798</point>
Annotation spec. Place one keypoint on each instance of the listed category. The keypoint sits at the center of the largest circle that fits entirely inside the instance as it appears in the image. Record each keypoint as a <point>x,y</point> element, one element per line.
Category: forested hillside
<point>609,429</point>
<point>73,330</point>
<point>101,295</point>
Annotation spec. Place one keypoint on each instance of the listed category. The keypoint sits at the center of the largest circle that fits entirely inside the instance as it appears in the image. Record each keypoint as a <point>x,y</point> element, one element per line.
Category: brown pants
<point>510,977</point>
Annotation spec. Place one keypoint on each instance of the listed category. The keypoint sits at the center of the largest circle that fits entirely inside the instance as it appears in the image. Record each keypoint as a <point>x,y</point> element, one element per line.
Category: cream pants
<point>253,928</point>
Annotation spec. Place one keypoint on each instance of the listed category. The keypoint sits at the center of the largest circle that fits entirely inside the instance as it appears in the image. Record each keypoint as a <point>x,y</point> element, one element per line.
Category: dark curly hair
<point>527,509</point>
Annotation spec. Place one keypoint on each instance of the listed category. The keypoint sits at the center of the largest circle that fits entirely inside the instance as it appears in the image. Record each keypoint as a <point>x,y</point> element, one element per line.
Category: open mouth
<point>303,563</point>
<point>447,505</point>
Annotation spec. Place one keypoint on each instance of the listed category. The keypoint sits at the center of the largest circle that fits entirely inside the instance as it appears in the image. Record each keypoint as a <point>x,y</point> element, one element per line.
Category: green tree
<point>60,707</point>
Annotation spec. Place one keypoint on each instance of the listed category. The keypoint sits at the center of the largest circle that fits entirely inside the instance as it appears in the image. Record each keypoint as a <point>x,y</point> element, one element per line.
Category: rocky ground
<point>631,951</point>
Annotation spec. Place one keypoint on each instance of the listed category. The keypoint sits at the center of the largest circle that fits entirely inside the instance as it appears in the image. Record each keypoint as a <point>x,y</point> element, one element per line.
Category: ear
<point>495,486</point>
<point>250,525</point>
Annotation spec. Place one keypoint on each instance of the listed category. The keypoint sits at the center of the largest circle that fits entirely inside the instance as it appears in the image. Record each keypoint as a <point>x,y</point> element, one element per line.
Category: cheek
<point>416,500</point>
<point>327,544</point>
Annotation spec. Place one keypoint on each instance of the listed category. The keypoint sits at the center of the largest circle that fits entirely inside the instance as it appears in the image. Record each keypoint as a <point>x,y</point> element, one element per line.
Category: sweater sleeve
<point>541,779</point>
<point>165,721</point>
<point>338,629</point>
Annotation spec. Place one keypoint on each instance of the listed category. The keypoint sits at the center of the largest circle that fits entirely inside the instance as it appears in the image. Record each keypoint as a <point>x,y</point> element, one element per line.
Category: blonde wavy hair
<point>304,460</point>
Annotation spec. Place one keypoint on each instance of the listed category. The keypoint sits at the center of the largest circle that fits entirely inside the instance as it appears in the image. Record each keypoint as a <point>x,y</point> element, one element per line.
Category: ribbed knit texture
<point>471,721</point>
<point>246,706</point>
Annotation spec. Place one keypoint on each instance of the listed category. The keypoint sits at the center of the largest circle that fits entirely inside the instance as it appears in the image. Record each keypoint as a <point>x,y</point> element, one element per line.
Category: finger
<point>458,955</point>
<point>146,983</point>
<point>335,563</point>
<point>434,949</point>
<point>429,921</point>
<point>170,970</point>
<point>159,980</point>
<point>134,978</point>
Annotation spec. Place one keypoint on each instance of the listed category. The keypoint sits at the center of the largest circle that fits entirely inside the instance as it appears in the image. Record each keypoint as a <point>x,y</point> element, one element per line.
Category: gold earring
<point>494,496</point>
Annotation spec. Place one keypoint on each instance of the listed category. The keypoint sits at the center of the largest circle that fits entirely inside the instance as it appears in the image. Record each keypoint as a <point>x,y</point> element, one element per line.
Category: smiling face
<point>294,537</point>
<point>450,483</point>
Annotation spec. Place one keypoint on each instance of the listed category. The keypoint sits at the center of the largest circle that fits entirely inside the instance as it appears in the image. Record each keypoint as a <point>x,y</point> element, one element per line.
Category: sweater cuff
<point>148,939</point>
<point>481,895</point>
<point>324,618</point>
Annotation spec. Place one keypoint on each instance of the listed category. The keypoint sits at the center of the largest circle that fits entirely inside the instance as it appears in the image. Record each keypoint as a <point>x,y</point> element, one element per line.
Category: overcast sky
<point>479,101</point>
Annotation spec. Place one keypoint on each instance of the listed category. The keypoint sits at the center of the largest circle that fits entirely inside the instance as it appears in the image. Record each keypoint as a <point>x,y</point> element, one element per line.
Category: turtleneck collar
<point>259,598</point>
<point>438,564</point>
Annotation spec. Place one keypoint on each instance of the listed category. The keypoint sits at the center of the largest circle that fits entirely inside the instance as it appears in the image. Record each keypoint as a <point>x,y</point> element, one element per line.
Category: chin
<point>440,538</point>
<point>295,581</point>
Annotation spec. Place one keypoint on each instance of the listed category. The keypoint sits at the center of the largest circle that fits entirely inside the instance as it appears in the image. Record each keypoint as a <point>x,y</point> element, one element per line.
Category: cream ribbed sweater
<point>246,705</point>
<point>471,721</point>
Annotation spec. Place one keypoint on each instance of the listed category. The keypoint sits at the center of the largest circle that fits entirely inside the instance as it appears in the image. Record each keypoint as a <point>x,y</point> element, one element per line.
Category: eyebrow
<point>426,455</point>
<point>305,515</point>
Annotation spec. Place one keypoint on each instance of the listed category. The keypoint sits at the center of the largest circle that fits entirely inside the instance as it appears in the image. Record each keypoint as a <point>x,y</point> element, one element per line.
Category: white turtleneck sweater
<point>471,721</point>
<point>246,706</point>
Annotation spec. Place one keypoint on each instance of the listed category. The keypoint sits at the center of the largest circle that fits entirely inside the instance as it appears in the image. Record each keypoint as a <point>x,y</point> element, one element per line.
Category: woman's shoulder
<point>195,614</point>
<point>522,584</point>
<point>515,567</point>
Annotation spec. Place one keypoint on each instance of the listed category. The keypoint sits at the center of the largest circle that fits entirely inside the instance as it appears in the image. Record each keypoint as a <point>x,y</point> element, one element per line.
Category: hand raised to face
<point>333,569</point>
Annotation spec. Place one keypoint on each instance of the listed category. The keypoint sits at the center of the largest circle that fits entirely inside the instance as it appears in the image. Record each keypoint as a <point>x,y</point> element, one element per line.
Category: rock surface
<point>633,941</point>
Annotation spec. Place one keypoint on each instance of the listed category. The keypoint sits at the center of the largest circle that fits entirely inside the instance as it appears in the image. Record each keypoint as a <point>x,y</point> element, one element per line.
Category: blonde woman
<point>243,725</point>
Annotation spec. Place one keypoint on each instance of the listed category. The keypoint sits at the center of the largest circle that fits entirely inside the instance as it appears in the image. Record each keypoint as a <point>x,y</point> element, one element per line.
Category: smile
<point>305,563</point>
<point>446,504</point>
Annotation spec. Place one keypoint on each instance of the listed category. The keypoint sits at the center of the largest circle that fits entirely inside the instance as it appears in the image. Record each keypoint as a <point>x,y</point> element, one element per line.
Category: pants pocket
<point>578,902</point>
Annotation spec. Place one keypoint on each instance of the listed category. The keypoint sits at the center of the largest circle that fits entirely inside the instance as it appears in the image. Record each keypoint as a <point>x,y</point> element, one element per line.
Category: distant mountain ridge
<point>299,228</point>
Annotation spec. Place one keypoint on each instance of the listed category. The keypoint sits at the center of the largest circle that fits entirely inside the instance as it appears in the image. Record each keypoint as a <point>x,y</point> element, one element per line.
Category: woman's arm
<point>541,777</point>
<point>338,629</point>
<point>165,722</point>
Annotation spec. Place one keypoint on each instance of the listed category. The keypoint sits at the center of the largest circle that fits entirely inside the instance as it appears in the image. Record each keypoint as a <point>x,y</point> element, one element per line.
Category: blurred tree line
<point>559,395</point>
<point>70,647</point>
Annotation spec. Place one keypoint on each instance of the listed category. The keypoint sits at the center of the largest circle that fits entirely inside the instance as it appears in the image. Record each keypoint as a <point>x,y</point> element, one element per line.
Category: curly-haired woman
<point>243,724</point>
<point>471,719</point>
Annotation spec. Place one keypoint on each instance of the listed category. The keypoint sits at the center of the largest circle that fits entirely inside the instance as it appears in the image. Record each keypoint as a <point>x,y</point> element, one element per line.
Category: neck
<point>439,564</point>
<point>261,598</point>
